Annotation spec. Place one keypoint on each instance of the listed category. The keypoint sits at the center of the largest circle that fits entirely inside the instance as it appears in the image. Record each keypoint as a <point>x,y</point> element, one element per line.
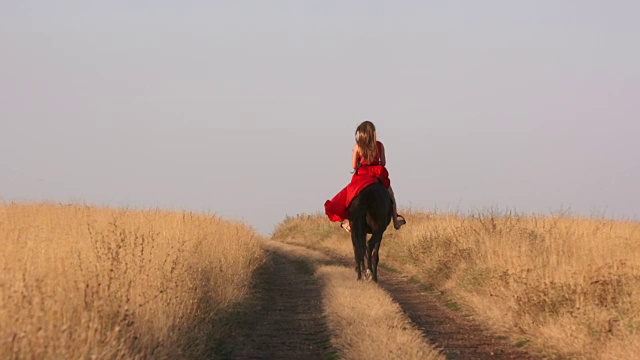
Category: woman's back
<point>377,157</point>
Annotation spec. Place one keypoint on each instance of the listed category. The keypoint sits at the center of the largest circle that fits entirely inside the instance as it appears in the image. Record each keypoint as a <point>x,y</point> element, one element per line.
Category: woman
<point>368,162</point>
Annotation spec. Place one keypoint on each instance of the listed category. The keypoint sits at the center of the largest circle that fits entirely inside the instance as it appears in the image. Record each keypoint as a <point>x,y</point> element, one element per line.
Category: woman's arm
<point>383,158</point>
<point>355,157</point>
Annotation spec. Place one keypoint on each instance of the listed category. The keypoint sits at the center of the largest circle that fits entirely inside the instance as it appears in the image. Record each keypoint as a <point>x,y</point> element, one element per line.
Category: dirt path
<point>287,322</point>
<point>459,337</point>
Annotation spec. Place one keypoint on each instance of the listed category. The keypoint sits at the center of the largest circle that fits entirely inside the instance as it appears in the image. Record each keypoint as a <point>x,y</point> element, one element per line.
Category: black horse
<point>369,213</point>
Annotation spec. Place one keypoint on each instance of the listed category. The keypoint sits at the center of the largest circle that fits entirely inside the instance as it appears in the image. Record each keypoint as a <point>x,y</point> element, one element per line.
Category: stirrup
<point>401,221</point>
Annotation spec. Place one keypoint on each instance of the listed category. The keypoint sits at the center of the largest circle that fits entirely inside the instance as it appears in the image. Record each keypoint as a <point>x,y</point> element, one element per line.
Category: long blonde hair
<point>366,140</point>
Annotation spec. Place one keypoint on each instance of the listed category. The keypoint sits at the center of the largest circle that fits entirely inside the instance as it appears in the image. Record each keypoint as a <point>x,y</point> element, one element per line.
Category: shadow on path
<point>286,321</point>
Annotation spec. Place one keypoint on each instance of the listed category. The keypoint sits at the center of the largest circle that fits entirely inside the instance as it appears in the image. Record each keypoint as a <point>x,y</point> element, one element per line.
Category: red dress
<point>365,175</point>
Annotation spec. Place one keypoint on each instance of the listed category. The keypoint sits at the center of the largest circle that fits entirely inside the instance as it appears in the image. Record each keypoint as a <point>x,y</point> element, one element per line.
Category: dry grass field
<point>79,282</point>
<point>562,286</point>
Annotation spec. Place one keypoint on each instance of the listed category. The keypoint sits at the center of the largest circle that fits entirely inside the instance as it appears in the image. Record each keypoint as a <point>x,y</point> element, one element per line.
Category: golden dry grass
<point>366,323</point>
<point>81,282</point>
<point>566,286</point>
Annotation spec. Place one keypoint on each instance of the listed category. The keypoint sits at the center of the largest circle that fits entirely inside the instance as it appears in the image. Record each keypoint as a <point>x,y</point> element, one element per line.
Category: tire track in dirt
<point>457,336</point>
<point>287,319</point>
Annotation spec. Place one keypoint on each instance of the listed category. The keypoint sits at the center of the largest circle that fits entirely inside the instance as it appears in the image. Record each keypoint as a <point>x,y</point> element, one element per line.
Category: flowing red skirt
<point>336,208</point>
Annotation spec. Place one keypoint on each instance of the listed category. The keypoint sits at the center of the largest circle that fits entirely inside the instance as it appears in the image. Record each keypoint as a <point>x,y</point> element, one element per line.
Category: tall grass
<point>567,286</point>
<point>86,282</point>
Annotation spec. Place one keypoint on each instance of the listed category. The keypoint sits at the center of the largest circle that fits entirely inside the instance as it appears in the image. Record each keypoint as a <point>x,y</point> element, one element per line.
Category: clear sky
<point>247,108</point>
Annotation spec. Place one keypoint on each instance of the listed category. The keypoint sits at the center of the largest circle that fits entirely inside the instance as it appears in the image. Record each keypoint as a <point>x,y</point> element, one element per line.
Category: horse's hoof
<point>401,221</point>
<point>367,275</point>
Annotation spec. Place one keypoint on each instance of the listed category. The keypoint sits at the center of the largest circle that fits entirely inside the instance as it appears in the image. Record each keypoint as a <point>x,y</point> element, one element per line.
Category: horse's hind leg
<point>368,272</point>
<point>376,260</point>
<point>357,253</point>
<point>373,257</point>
